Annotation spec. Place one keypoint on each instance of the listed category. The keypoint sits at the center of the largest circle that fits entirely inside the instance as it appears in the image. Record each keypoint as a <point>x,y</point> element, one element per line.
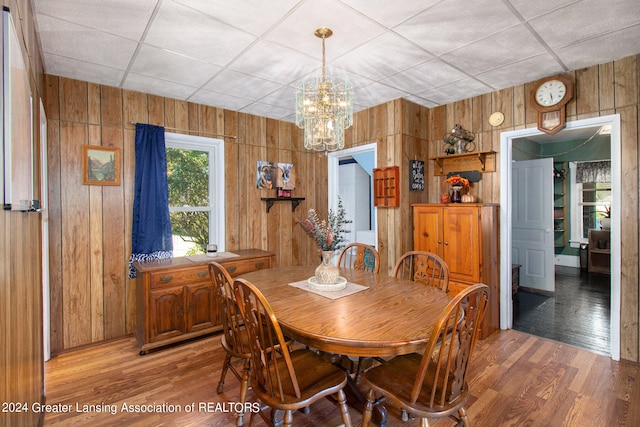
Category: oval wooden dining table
<point>391,317</point>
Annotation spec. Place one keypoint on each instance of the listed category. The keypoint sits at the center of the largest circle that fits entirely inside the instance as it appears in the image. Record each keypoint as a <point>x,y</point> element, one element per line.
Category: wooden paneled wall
<point>21,340</point>
<point>90,226</point>
<point>90,244</point>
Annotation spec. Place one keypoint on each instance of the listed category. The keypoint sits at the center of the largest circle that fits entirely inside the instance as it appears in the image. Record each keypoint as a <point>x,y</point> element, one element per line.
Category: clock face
<point>550,93</point>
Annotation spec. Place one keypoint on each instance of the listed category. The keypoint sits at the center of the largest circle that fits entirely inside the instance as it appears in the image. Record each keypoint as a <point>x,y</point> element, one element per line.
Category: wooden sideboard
<point>175,299</point>
<point>466,236</point>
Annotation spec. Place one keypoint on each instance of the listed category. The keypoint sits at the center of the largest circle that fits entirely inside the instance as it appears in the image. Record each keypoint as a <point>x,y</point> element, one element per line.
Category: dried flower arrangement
<point>328,234</point>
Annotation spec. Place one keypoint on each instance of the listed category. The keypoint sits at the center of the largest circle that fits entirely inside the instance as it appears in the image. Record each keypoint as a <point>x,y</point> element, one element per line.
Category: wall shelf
<point>386,187</point>
<point>483,161</point>
<point>295,201</point>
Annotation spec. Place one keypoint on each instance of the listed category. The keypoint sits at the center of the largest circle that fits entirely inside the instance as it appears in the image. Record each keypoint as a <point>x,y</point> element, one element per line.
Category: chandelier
<point>323,107</point>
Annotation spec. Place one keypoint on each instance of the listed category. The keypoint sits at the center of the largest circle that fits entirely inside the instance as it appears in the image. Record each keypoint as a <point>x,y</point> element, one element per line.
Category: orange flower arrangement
<point>457,180</point>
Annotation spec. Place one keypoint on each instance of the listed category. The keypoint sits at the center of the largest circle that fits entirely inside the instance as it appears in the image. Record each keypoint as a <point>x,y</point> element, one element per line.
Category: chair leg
<point>368,408</point>
<point>464,418</point>
<point>225,368</point>
<point>244,386</point>
<point>288,418</point>
<point>344,410</point>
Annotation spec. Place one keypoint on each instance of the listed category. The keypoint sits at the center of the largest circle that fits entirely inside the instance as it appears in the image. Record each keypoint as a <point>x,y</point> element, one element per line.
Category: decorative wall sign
<point>100,165</point>
<point>416,175</point>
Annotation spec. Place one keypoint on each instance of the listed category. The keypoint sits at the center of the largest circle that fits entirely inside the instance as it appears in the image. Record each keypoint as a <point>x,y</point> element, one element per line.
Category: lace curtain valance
<point>593,171</point>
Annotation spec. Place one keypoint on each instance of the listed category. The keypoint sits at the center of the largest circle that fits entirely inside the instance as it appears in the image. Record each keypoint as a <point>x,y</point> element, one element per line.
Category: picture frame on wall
<point>100,165</point>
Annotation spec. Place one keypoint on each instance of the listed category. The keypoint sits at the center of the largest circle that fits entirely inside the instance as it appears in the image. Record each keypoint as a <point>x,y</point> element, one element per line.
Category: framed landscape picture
<point>100,165</point>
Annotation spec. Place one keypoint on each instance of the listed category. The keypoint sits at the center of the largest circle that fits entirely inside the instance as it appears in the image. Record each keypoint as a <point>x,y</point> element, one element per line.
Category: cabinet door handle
<point>259,264</point>
<point>446,243</point>
<point>166,279</point>
<point>439,241</point>
<point>203,273</point>
<point>231,269</point>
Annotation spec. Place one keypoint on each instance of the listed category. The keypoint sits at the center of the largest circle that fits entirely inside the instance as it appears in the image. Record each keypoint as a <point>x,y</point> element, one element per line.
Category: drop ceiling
<point>247,55</point>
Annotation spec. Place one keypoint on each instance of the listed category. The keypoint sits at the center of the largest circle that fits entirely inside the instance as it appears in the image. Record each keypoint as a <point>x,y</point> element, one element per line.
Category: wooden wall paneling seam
<point>56,287</point>
<point>115,259</point>
<point>95,248</point>
<point>606,89</point>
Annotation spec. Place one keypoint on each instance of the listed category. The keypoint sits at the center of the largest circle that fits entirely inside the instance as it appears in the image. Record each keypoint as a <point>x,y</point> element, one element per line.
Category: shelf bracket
<point>295,201</point>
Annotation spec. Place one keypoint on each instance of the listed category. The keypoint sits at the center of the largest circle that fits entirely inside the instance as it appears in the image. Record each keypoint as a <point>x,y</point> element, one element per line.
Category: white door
<point>532,223</point>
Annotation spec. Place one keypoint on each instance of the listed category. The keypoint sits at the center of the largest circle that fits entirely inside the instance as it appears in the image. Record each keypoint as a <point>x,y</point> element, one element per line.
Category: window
<point>590,202</point>
<point>195,172</point>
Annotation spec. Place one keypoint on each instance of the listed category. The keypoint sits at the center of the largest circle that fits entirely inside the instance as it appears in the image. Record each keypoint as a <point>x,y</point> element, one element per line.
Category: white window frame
<point>216,207</point>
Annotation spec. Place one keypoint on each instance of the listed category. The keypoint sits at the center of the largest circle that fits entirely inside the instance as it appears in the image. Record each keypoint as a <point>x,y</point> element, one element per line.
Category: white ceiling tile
<point>241,85</point>
<point>84,44</point>
<point>566,26</point>
<point>284,97</point>
<point>220,100</point>
<point>376,94</point>
<point>125,18</point>
<point>252,16</point>
<point>428,75</point>
<point>461,89</point>
<point>508,46</point>
<point>530,9</point>
<point>382,56</point>
<point>390,13</point>
<point>153,62</point>
<point>451,24</point>
<point>186,31</point>
<point>514,74</point>
<point>158,87</point>
<point>266,110</point>
<point>350,28</point>
<point>273,62</point>
<point>597,50</point>
<point>79,70</point>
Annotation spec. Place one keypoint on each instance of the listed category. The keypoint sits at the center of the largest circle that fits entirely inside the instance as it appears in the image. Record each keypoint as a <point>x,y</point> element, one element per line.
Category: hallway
<point>578,314</point>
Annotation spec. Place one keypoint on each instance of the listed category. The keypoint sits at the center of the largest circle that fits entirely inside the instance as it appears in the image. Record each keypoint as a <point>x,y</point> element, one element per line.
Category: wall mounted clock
<point>550,96</point>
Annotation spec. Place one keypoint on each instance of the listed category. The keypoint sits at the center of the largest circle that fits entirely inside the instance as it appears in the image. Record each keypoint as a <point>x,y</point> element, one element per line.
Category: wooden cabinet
<point>176,300</point>
<point>599,256</point>
<point>466,236</point>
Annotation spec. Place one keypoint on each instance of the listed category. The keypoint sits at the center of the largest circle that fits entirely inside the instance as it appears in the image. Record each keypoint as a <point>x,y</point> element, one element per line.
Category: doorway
<point>506,144</point>
<point>353,195</point>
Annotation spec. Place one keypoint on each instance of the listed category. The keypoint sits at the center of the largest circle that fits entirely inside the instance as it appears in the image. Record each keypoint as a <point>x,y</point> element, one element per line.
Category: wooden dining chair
<point>359,256</point>
<point>235,340</point>
<point>284,379</point>
<point>423,267</point>
<point>433,384</point>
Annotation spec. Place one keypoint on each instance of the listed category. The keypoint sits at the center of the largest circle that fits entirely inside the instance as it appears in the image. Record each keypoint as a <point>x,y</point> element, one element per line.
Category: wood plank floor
<point>517,379</point>
<point>578,314</point>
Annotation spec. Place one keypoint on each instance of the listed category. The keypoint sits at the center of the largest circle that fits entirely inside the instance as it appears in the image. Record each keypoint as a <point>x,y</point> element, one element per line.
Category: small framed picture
<point>100,165</point>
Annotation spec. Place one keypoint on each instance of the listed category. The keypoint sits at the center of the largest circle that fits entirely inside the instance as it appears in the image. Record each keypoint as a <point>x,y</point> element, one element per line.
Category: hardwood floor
<point>516,379</point>
<point>578,313</point>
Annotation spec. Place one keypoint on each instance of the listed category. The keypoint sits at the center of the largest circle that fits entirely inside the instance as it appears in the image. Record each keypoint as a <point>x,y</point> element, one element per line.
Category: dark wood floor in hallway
<point>578,313</point>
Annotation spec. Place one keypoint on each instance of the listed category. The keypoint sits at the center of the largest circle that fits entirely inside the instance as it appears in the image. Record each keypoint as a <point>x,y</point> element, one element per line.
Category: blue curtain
<point>151,232</point>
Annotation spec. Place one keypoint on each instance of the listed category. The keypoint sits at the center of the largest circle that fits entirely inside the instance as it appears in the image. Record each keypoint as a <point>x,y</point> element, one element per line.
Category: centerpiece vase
<point>326,272</point>
<point>456,197</point>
